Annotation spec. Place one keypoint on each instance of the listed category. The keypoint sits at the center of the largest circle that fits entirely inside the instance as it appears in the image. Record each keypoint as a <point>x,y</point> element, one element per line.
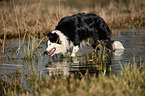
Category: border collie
<point>72,30</point>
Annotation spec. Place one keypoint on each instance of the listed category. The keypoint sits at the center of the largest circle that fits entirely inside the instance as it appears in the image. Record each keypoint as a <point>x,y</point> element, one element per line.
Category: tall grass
<point>35,18</point>
<point>4,32</point>
<point>22,16</point>
<point>131,81</point>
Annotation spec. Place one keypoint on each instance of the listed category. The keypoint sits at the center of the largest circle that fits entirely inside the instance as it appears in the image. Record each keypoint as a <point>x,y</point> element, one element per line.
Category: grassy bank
<point>131,82</point>
<point>41,16</point>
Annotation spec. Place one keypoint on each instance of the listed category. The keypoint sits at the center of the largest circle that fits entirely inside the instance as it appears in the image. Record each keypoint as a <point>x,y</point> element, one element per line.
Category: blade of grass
<point>3,49</point>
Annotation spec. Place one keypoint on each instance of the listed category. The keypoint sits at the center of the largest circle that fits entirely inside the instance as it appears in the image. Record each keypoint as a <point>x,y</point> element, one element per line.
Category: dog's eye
<point>48,43</point>
<point>50,37</point>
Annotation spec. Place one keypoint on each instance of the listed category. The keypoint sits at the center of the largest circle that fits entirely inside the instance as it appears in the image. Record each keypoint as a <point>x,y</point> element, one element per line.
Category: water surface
<point>134,52</point>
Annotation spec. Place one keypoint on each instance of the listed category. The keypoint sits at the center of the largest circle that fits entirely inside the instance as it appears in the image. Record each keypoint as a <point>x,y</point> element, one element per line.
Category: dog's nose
<point>45,52</point>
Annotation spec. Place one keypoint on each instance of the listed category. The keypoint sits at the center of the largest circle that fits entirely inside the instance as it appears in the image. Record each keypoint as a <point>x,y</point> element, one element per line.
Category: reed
<point>100,57</point>
<point>3,46</point>
<point>130,81</point>
<point>43,15</point>
<point>30,50</point>
<point>35,18</point>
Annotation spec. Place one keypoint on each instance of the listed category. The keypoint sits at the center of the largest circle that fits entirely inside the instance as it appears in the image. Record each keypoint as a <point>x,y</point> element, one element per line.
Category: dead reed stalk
<point>16,17</point>
<point>3,46</point>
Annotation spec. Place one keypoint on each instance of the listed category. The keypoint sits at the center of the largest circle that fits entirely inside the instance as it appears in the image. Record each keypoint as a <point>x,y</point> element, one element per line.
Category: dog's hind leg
<point>107,43</point>
<point>95,40</point>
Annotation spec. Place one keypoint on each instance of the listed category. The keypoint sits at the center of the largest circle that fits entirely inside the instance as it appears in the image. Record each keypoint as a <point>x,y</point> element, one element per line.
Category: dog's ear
<point>53,37</point>
<point>47,36</point>
<point>50,36</point>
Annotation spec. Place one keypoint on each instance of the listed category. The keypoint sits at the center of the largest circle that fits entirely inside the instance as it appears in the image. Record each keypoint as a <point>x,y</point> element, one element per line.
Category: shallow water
<point>134,43</point>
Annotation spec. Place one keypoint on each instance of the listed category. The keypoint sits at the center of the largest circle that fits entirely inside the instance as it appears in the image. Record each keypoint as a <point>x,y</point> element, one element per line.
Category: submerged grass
<point>131,81</point>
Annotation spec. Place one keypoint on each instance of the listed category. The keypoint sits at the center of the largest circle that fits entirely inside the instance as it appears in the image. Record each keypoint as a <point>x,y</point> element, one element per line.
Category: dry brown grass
<point>41,16</point>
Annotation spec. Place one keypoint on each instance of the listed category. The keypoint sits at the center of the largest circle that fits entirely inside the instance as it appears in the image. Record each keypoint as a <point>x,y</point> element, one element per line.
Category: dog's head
<point>57,43</point>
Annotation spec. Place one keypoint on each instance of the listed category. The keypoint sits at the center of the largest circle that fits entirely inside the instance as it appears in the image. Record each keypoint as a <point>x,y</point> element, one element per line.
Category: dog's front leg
<point>75,50</point>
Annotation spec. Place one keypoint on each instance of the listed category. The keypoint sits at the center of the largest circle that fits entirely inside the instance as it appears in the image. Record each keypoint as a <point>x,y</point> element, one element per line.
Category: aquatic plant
<point>30,49</point>
<point>130,81</point>
<point>35,18</point>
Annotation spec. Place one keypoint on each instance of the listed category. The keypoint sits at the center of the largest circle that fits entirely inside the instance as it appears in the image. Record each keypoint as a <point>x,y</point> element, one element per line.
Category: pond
<point>134,52</point>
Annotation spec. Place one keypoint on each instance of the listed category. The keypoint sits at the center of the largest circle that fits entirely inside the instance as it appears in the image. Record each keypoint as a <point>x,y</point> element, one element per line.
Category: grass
<point>131,81</point>
<point>101,86</point>
<point>30,81</point>
<point>41,16</point>
<point>33,19</point>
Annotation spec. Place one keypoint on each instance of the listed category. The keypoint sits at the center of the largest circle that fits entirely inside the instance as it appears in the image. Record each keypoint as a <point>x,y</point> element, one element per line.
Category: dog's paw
<point>73,54</point>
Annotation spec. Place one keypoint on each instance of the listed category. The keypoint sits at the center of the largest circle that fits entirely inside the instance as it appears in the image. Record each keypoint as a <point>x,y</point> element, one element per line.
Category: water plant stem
<point>4,32</point>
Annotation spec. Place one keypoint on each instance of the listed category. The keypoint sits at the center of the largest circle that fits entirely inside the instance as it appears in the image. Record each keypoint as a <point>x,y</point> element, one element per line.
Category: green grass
<point>131,82</point>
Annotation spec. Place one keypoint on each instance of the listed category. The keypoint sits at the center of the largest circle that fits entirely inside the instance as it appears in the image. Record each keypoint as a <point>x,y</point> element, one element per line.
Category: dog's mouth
<point>51,52</point>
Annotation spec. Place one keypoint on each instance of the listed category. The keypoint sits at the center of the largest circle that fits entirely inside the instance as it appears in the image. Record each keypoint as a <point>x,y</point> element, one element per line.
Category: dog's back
<point>82,26</point>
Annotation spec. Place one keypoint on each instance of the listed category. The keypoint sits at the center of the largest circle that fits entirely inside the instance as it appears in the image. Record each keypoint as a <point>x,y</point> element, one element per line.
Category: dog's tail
<point>116,45</point>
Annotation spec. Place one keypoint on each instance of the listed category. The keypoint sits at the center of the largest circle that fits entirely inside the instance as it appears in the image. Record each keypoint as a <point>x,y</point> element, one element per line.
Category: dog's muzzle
<point>51,52</point>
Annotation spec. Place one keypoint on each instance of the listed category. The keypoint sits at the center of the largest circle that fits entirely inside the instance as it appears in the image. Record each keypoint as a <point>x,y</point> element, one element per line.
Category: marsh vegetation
<point>41,16</point>
<point>25,71</point>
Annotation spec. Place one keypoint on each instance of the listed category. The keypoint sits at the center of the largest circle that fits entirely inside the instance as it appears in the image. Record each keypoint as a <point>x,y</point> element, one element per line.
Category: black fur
<point>54,38</point>
<point>81,26</point>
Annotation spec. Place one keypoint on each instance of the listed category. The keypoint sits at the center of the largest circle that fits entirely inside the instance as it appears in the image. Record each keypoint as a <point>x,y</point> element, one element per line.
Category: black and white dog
<point>72,30</point>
